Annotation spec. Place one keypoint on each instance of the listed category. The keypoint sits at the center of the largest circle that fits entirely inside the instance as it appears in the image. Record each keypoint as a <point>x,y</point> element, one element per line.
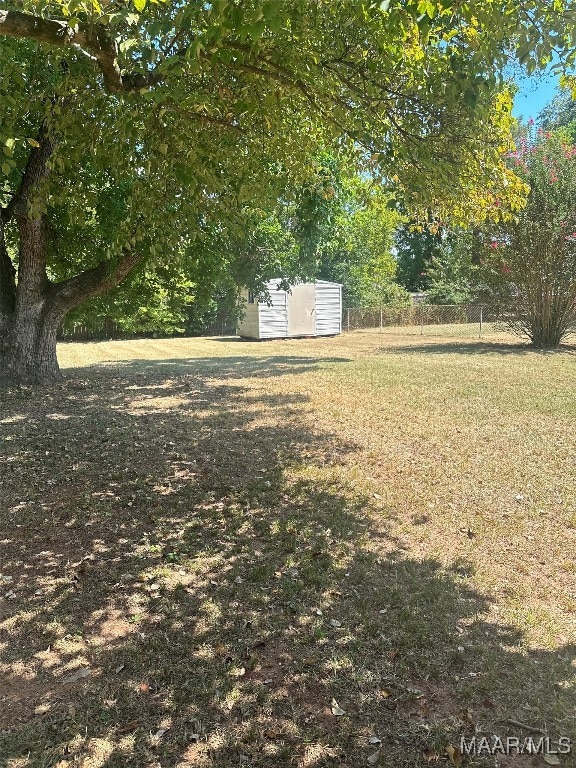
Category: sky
<point>534,94</point>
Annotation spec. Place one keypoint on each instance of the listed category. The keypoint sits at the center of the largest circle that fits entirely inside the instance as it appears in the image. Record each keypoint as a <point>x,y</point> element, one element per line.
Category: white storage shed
<point>308,309</point>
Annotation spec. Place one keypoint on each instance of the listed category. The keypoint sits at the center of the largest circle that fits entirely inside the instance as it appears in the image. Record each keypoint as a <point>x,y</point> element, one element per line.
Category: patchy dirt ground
<point>332,552</point>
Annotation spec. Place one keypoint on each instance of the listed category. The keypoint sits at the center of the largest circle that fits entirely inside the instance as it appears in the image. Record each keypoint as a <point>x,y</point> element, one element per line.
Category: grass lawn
<point>306,553</point>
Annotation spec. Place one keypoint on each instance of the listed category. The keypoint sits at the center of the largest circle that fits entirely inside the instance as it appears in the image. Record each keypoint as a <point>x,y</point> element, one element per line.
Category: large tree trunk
<point>31,315</point>
<point>28,333</point>
<point>28,346</point>
<point>31,306</point>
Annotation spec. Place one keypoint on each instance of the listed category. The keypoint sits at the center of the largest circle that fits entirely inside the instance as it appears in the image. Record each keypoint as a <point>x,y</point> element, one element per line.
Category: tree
<point>559,113</point>
<point>337,226</point>
<point>356,249</point>
<point>153,298</point>
<point>125,128</point>
<point>415,246</point>
<point>533,260</point>
<point>452,275</point>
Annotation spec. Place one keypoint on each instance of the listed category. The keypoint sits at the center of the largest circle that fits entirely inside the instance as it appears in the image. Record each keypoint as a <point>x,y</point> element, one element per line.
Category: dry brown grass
<point>229,535</point>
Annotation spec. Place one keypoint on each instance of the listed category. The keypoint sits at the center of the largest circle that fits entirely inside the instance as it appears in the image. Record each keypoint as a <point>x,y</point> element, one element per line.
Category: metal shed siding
<point>272,322</point>
<point>273,319</point>
<point>249,325</point>
<point>328,308</point>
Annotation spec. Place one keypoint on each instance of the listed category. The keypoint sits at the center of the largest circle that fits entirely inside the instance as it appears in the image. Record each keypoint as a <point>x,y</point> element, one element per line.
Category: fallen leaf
<point>78,675</point>
<point>393,654</point>
<point>429,755</point>
<point>335,709</point>
<point>551,759</point>
<point>335,623</point>
<point>374,740</point>
<point>144,688</point>
<point>373,758</point>
<point>454,755</point>
<point>119,668</point>
<point>160,732</point>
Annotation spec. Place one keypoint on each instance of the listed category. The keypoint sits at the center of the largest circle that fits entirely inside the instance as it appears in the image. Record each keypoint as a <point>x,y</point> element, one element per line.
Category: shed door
<point>301,310</point>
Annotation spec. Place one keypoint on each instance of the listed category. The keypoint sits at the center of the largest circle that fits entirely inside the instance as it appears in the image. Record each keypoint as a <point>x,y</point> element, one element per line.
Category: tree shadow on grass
<point>232,367</point>
<point>475,348</point>
<point>193,546</point>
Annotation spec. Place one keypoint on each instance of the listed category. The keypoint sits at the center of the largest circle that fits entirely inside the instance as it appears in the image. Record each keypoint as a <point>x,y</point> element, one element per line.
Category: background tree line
<point>343,226</point>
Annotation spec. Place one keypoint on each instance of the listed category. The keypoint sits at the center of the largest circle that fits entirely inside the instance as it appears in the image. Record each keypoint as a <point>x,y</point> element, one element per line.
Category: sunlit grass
<point>232,534</point>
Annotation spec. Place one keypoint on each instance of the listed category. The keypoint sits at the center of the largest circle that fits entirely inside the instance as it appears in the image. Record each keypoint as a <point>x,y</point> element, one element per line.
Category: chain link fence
<point>431,319</point>
<point>221,325</point>
<point>423,319</point>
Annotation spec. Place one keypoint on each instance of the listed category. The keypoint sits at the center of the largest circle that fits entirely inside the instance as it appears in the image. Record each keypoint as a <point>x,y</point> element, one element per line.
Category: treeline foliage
<point>441,262</point>
<point>559,113</point>
<point>525,266</point>
<point>357,250</point>
<point>337,226</point>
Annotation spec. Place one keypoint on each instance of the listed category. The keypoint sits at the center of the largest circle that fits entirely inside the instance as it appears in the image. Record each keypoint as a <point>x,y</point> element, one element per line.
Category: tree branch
<point>94,41</point>
<point>93,282</point>
<point>36,170</point>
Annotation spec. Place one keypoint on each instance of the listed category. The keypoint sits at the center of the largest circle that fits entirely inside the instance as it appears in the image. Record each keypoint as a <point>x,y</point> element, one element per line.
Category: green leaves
<point>227,105</point>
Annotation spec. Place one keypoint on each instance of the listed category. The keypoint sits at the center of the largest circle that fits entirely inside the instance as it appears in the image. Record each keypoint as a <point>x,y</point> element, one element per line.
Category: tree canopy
<point>128,128</point>
<point>559,113</point>
<point>532,261</point>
